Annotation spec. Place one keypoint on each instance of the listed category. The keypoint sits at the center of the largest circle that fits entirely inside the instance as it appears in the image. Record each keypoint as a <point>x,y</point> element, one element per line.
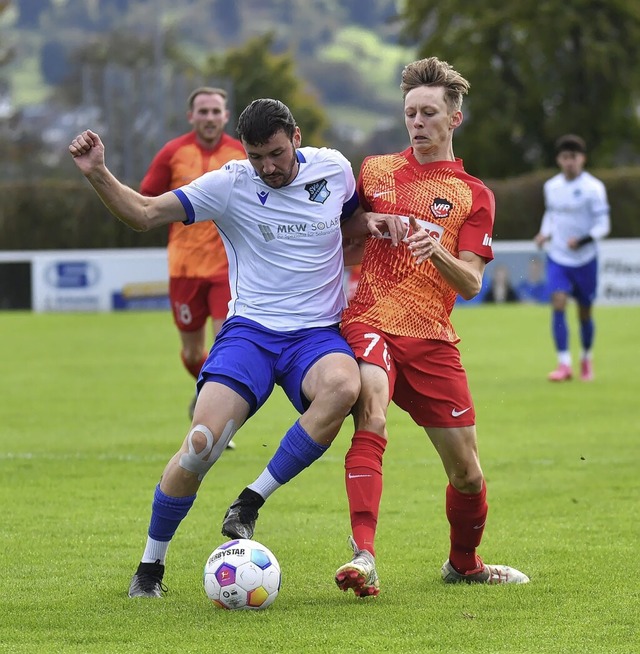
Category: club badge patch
<point>441,208</point>
<point>318,191</point>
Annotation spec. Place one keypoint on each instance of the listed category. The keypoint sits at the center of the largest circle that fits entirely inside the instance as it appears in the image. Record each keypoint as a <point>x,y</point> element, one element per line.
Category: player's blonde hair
<point>434,72</point>
<point>205,90</point>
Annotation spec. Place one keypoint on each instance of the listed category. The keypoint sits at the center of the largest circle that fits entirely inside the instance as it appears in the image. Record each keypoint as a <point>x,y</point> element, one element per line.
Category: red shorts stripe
<point>426,377</point>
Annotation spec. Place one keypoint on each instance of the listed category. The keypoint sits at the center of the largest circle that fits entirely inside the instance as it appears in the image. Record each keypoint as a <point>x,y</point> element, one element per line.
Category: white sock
<point>564,358</point>
<point>156,550</point>
<point>265,484</point>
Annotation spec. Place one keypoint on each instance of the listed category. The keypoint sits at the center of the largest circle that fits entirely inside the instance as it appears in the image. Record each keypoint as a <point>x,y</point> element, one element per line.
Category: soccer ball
<point>242,574</point>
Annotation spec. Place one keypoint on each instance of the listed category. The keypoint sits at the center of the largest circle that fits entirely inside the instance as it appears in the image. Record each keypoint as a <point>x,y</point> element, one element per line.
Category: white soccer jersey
<point>284,245</point>
<point>574,209</point>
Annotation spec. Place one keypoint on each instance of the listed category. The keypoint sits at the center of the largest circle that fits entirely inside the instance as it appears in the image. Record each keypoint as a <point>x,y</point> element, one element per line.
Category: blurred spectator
<point>500,290</point>
<point>534,287</point>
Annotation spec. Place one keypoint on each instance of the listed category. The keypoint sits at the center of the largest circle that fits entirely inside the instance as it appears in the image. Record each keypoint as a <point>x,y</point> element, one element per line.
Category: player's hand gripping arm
<point>139,212</point>
<point>463,274</point>
<point>365,223</point>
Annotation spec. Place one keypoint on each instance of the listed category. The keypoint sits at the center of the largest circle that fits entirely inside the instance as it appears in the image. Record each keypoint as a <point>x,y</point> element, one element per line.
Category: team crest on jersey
<point>318,191</point>
<point>441,208</point>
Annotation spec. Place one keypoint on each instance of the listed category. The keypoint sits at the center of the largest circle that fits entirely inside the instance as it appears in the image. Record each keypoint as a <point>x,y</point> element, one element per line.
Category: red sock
<point>467,515</point>
<point>193,368</point>
<point>363,479</point>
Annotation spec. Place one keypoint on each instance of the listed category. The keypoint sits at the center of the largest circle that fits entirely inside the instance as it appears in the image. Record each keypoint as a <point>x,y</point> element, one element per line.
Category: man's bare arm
<point>139,212</point>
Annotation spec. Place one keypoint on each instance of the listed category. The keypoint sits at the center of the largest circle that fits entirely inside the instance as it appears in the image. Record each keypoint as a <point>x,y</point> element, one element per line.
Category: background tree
<point>7,50</point>
<point>537,69</point>
<point>253,72</point>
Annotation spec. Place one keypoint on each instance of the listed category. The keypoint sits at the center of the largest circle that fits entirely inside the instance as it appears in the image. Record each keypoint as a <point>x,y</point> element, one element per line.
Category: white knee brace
<point>201,462</point>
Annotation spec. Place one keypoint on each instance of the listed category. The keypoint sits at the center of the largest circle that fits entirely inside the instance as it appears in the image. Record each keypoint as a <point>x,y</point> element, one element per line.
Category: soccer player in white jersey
<point>576,217</point>
<point>279,214</point>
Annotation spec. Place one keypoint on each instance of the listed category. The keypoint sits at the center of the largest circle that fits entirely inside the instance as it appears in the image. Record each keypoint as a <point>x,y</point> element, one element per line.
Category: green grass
<point>94,405</point>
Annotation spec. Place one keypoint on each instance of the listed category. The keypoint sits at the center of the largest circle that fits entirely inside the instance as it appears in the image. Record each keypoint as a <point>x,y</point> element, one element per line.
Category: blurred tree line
<point>537,68</point>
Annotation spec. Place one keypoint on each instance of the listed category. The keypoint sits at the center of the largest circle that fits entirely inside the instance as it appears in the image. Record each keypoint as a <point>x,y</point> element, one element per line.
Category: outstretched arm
<point>139,212</point>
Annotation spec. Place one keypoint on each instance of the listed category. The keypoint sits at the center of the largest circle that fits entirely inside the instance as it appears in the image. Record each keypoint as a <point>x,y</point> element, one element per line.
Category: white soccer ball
<point>242,574</point>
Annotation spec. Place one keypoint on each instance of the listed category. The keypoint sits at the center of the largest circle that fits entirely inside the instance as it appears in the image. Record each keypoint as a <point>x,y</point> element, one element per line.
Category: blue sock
<point>297,451</point>
<point>560,331</point>
<point>587,330</point>
<point>167,513</point>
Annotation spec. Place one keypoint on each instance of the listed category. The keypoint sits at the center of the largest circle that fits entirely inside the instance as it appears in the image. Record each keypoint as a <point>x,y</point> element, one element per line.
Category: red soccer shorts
<point>194,299</point>
<point>426,377</point>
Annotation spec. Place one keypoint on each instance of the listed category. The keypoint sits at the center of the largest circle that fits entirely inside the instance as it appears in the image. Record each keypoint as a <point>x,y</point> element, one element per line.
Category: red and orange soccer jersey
<point>195,250</point>
<point>395,294</point>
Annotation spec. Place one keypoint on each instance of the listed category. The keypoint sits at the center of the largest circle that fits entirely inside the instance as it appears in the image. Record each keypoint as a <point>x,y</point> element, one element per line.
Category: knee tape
<point>200,463</point>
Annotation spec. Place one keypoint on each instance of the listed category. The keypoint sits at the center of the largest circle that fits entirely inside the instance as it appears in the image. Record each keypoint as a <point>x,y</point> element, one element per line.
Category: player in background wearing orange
<point>428,240</point>
<point>198,270</point>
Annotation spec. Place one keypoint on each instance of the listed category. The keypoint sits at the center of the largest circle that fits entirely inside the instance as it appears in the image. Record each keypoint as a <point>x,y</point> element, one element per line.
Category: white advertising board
<point>112,280</point>
<point>619,272</point>
<point>618,268</point>
<point>100,280</point>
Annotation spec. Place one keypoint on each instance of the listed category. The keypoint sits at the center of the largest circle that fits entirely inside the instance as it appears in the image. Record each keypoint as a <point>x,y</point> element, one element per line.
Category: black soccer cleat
<point>147,581</point>
<point>240,518</point>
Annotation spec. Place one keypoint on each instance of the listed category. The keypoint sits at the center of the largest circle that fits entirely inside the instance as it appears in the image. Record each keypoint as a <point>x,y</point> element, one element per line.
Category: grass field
<point>92,406</point>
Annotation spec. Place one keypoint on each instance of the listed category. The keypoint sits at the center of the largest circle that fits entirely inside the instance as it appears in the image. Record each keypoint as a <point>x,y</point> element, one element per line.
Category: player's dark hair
<point>434,72</point>
<point>262,119</point>
<point>205,90</point>
<point>571,143</point>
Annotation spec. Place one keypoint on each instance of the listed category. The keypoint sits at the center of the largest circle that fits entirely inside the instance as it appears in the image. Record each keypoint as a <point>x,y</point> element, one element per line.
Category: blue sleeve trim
<point>188,207</point>
<point>349,207</point>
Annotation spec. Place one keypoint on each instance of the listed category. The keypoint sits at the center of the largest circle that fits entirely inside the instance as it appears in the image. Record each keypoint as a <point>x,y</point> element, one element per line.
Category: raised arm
<point>139,212</point>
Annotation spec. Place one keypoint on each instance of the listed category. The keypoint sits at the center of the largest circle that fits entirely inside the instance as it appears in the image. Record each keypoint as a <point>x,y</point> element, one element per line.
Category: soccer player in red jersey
<point>428,238</point>
<point>198,270</point>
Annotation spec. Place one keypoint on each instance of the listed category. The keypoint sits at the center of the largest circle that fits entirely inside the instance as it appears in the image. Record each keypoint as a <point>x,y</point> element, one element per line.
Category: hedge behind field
<point>63,215</point>
<point>68,215</point>
<point>519,203</point>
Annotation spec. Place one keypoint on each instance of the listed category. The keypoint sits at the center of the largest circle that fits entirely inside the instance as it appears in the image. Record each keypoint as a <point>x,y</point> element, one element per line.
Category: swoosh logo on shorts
<point>455,413</point>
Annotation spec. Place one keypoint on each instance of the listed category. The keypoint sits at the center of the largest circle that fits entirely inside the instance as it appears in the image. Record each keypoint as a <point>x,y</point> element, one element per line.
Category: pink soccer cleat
<point>586,370</point>
<point>561,373</point>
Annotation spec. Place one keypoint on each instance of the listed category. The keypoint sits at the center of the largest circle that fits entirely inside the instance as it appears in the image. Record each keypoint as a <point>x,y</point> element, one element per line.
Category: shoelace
<point>148,582</point>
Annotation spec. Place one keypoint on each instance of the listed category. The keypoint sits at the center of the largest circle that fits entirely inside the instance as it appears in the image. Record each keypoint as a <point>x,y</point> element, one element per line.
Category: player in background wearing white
<point>279,214</point>
<point>576,217</point>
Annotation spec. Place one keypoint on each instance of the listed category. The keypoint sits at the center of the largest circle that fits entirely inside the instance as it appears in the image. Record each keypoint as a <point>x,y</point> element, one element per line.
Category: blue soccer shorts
<point>581,282</point>
<point>250,359</point>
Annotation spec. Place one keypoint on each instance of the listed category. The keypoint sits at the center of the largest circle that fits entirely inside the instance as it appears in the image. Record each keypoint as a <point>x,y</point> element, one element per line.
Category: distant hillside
<point>347,50</point>
<point>347,55</point>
